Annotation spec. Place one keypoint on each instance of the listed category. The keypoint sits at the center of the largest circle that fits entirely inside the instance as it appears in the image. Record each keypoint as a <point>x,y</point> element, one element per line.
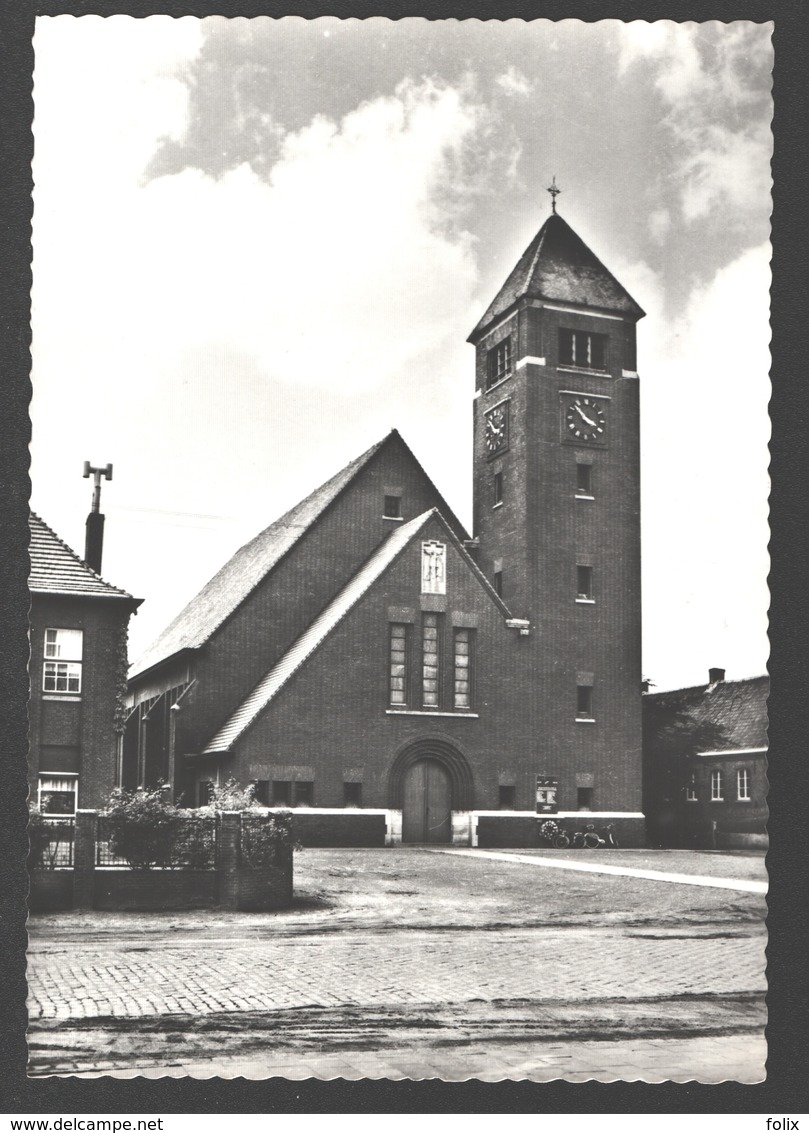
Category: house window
<point>584,798</point>
<point>431,661</point>
<point>63,653</point>
<point>464,665</point>
<point>204,792</point>
<point>743,785</point>
<point>57,794</point>
<point>498,583</point>
<point>433,568</point>
<point>716,787</point>
<point>304,793</point>
<point>584,479</point>
<point>399,664</point>
<point>508,798</point>
<point>584,583</point>
<point>498,363</point>
<point>584,702</point>
<point>393,507</point>
<point>498,489</point>
<point>583,350</point>
<point>352,794</point>
<point>691,788</point>
<point>281,792</point>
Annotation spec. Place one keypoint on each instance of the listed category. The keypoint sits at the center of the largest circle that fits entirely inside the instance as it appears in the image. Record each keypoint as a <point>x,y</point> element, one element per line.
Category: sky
<point>261,244</point>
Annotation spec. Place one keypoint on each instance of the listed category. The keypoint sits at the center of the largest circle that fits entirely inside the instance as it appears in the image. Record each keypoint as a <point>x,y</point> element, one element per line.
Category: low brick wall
<point>347,828</point>
<point>154,890</point>
<point>51,890</point>
<point>262,889</point>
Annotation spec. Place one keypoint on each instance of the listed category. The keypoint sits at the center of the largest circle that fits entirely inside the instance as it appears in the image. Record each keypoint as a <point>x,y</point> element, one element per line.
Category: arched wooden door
<point>426,803</point>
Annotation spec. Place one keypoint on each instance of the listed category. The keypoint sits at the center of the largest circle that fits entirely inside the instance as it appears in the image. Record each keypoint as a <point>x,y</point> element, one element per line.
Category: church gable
<point>420,582</point>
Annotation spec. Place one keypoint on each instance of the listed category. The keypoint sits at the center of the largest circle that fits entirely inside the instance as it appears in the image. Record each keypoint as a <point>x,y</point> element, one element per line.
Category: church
<point>395,678</point>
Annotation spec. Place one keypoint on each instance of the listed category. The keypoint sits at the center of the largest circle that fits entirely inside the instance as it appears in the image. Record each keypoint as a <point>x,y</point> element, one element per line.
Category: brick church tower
<point>557,509</point>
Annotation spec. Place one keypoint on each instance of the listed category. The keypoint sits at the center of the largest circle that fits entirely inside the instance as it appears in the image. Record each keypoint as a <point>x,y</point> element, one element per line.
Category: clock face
<point>495,429</point>
<point>584,419</point>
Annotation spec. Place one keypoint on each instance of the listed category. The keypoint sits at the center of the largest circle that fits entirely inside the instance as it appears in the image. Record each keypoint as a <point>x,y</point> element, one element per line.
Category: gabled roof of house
<point>739,708</point>
<point>327,620</point>
<point>56,569</point>
<point>229,587</point>
<point>558,266</point>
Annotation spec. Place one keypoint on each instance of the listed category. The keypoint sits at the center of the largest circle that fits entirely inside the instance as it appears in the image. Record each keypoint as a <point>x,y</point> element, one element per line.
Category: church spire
<point>554,191</point>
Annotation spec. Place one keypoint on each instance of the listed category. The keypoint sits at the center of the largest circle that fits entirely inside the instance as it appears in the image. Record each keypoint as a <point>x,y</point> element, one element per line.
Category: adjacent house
<point>705,767</point>
<point>78,676</point>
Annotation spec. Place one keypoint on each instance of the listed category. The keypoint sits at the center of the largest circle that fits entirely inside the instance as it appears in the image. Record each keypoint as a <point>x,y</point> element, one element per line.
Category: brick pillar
<point>230,828</point>
<point>84,858</point>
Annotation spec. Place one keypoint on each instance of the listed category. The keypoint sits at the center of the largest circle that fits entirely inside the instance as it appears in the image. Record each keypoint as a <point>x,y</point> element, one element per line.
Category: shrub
<point>142,827</point>
<point>267,839</point>
<point>230,796</point>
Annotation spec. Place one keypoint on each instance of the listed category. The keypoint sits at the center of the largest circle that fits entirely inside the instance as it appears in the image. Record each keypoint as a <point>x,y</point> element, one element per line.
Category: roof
<point>738,708</point>
<point>56,569</point>
<point>557,265</point>
<point>334,613</point>
<point>236,580</point>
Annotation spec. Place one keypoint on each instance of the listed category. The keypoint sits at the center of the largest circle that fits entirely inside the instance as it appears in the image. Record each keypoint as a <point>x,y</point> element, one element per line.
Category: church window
<point>584,798</point>
<point>584,702</point>
<point>281,792</point>
<point>584,479</point>
<point>583,350</point>
<point>498,583</point>
<point>743,785</point>
<point>464,665</point>
<point>63,654</point>
<point>716,786</point>
<point>304,794</point>
<point>498,363</point>
<point>399,664</point>
<point>393,507</point>
<point>584,583</point>
<point>498,489</point>
<point>433,568</point>
<point>431,661</point>
<point>507,798</point>
<point>352,794</point>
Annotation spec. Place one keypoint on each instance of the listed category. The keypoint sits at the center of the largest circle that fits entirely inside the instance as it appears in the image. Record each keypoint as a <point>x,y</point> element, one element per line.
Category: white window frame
<point>62,661</point>
<point>57,782</point>
<point>717,786</point>
<point>743,776</point>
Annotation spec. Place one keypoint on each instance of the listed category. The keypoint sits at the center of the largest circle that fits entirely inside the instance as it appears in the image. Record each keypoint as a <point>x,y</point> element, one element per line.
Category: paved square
<point>421,964</point>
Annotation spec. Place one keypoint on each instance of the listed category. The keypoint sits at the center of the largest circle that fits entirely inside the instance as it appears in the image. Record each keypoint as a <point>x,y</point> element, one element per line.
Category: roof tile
<point>56,569</point>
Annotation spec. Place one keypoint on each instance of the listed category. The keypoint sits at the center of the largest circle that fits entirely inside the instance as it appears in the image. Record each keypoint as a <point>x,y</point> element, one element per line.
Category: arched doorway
<point>429,779</point>
<point>426,803</point>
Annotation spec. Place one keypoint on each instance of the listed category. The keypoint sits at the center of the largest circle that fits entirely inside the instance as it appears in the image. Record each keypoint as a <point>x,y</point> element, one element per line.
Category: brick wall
<point>82,728</point>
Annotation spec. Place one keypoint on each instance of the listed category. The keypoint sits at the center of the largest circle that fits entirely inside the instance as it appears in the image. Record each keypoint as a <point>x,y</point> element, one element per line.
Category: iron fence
<point>263,838</point>
<point>183,842</point>
<point>51,841</point>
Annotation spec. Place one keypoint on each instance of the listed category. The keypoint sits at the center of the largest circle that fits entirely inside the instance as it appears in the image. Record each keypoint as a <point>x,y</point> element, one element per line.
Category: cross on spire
<point>554,192</point>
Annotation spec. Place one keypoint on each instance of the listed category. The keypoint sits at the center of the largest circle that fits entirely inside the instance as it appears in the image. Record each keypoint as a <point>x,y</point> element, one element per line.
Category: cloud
<point>659,224</point>
<point>705,431</point>
<point>713,83</point>
<point>514,82</point>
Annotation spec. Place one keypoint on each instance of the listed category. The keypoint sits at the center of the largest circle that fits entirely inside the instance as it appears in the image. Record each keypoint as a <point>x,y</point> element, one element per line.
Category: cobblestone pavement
<point>675,986</point>
<point>85,980</point>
